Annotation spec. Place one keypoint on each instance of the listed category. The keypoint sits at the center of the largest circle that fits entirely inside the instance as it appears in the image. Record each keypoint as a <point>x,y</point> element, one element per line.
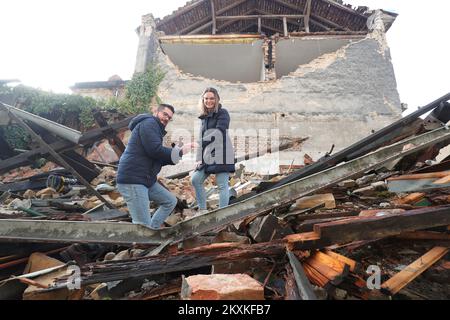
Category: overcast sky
<point>52,44</point>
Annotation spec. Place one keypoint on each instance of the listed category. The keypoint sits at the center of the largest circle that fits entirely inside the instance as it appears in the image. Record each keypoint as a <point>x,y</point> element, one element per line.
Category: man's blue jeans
<point>138,199</point>
<point>199,177</point>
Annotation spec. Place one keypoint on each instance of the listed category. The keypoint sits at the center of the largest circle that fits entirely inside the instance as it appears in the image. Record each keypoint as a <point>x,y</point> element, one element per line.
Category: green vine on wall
<point>140,92</point>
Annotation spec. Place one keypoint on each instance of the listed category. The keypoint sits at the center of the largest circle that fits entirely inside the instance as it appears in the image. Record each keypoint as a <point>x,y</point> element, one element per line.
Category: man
<point>140,164</point>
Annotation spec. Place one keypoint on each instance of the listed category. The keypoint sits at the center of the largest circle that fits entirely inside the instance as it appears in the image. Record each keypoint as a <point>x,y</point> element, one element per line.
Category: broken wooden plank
<point>404,277</point>
<point>331,268</point>
<point>24,260</point>
<point>410,199</point>
<point>380,227</point>
<point>217,253</point>
<point>316,277</point>
<point>303,285</point>
<point>308,225</point>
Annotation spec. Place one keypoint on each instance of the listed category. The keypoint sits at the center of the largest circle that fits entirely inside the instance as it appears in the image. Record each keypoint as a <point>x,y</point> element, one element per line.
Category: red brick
<point>222,287</point>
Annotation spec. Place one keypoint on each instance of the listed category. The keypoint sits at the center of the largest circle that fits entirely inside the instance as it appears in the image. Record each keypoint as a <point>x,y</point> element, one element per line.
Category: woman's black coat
<point>216,152</point>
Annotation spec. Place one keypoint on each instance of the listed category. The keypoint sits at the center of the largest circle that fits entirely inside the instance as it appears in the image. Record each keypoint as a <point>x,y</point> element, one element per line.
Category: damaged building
<point>307,68</point>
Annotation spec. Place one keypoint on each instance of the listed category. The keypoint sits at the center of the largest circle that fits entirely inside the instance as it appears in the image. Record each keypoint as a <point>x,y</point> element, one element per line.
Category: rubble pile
<point>369,222</point>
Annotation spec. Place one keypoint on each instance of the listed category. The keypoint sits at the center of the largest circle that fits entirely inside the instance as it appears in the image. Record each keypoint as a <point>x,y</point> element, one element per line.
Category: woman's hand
<point>188,147</point>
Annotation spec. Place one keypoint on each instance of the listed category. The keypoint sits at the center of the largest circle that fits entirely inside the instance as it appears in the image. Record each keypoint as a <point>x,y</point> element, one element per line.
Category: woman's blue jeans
<point>199,177</point>
<point>138,199</point>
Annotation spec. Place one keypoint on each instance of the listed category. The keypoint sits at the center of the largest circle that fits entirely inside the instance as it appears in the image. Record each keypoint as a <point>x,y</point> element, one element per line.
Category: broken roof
<point>198,17</point>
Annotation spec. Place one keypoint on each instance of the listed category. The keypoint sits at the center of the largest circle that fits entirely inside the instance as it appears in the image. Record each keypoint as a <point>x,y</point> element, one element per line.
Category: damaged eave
<point>197,17</point>
<point>56,128</point>
<point>210,39</point>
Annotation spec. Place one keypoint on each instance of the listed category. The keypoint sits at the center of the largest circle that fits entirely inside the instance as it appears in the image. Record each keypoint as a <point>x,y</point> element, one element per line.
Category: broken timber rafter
<point>370,228</point>
<point>57,156</point>
<point>307,14</point>
<point>60,146</point>
<point>70,231</point>
<point>213,14</point>
<point>206,22</point>
<point>401,279</point>
<point>166,263</point>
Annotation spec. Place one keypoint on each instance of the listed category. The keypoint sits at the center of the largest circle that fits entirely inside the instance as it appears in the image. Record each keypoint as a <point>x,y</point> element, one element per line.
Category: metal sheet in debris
<point>56,128</point>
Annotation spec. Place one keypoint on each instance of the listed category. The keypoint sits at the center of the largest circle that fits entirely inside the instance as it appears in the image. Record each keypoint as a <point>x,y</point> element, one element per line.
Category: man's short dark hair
<point>162,106</point>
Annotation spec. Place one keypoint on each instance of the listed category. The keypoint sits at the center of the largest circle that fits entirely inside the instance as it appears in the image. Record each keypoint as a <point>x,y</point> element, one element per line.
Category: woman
<point>215,153</point>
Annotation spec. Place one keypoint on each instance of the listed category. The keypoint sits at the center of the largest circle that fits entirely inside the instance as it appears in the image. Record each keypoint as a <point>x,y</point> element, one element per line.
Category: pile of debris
<point>369,222</point>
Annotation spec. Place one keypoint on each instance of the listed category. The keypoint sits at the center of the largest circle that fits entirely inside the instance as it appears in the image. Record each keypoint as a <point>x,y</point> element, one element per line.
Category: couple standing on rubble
<point>145,155</point>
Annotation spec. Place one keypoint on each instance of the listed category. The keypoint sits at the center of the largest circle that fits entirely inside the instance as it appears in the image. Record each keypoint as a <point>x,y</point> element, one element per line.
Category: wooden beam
<point>404,277</point>
<point>226,24</point>
<point>312,21</point>
<point>335,25</point>
<point>262,26</point>
<point>213,14</point>
<point>301,216</point>
<point>289,21</point>
<point>186,260</point>
<point>370,228</point>
<point>179,13</point>
<point>296,9</point>
<point>265,16</point>
<point>272,28</point>
<point>384,226</point>
<point>206,22</point>
<point>307,13</point>
<point>304,286</point>
<point>352,263</point>
<point>335,270</point>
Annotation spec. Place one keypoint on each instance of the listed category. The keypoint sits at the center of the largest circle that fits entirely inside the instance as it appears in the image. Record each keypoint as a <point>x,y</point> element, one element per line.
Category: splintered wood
<point>401,279</point>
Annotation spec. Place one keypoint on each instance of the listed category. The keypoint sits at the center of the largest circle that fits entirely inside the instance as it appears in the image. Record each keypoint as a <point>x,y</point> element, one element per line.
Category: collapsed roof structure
<point>303,67</point>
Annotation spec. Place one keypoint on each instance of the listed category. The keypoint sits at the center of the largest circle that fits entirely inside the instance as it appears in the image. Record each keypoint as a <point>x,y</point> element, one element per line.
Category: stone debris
<point>221,287</point>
